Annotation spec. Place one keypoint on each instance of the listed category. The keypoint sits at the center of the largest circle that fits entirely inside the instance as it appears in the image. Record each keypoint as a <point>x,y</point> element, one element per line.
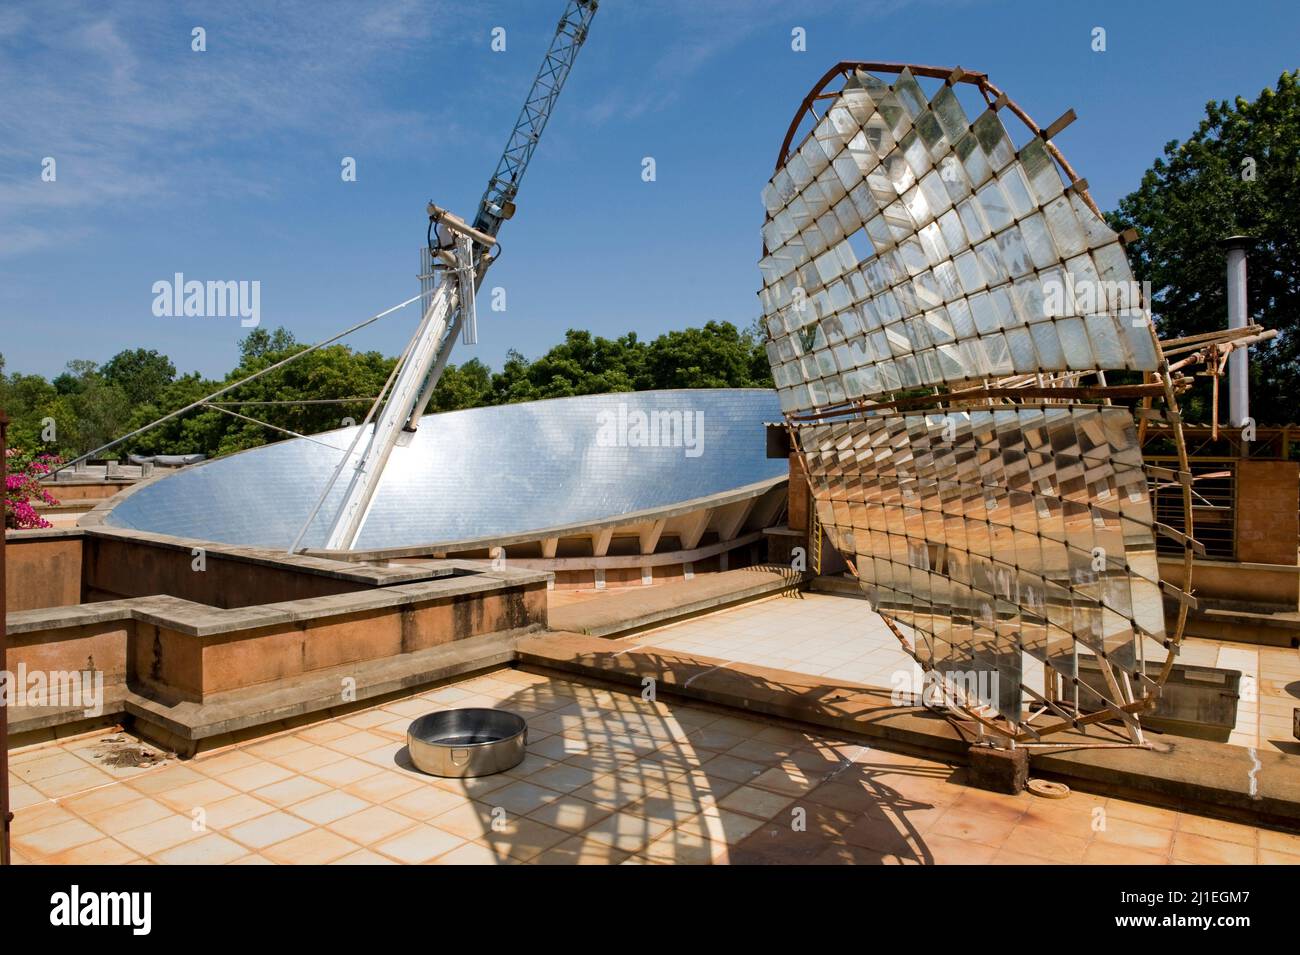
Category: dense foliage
<point>88,405</point>
<point>1238,173</point>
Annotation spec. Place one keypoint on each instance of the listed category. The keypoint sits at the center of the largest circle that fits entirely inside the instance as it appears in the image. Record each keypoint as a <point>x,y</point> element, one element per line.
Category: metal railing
<point>1214,506</point>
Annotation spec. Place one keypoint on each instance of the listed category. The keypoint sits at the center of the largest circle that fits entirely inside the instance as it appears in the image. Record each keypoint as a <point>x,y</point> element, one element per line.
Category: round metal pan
<point>467,742</point>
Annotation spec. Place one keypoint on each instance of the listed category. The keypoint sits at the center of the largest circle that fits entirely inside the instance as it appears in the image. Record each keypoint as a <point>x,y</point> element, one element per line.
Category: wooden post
<point>6,817</point>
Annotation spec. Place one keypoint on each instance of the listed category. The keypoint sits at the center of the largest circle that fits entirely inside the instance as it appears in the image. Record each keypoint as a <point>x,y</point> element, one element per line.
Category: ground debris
<point>121,751</point>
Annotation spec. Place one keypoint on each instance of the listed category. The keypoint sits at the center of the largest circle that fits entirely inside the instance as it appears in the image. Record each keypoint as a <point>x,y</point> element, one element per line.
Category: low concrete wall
<point>196,668</point>
<point>172,650</point>
<point>117,567</point>
<point>1267,586</point>
<point>42,569</point>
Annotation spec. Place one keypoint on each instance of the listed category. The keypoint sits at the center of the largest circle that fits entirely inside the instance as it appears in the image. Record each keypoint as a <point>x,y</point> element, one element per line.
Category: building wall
<point>1268,524</point>
<point>42,572</point>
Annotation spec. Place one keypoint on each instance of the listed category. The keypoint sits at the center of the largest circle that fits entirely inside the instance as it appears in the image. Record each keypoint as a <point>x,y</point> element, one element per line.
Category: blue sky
<point>226,164</point>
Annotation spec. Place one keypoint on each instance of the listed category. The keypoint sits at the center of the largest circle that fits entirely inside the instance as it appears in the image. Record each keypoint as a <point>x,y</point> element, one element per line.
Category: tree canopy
<point>1237,174</point>
<point>88,404</point>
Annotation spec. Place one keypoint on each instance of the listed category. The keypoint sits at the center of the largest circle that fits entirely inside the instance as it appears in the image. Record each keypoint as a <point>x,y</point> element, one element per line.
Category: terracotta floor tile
<point>325,732</point>
<point>1006,808</point>
<point>231,812</point>
<point>344,772</point>
<point>722,826</point>
<point>46,814</point>
<point>131,815</point>
<point>99,799</point>
<point>310,758</point>
<point>1147,815</point>
<point>278,746</point>
<point>383,786</point>
<point>371,825</point>
<point>1105,853</point>
<point>470,820</point>
<point>1202,850</point>
<point>75,782</point>
<point>1134,835</point>
<point>472,853</point>
<point>626,832</point>
<point>1218,829</point>
<point>22,796</point>
<point>942,850</point>
<point>961,823</point>
<point>733,768</point>
<point>256,775</point>
<point>314,847</point>
<point>173,777</point>
<point>57,762</point>
<point>755,802</point>
<point>212,849</point>
<point>860,855</point>
<point>100,852</point>
<point>1059,847</point>
<point>424,804</point>
<point>570,814</point>
<point>268,829</point>
<point>577,850</point>
<point>562,777</point>
<point>52,840</point>
<point>419,844</point>
<point>288,792</point>
<point>1273,857</point>
<point>159,835</point>
<point>328,807</point>
<point>356,742</point>
<point>676,847</point>
<point>219,764</point>
<point>520,798</point>
<point>522,838</point>
<point>363,857</point>
<point>1279,841</point>
<point>195,795</point>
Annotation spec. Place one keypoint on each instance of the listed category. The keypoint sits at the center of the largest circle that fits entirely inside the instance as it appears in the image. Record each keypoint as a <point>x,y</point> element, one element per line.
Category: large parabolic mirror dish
<point>504,471</point>
<point>964,362</point>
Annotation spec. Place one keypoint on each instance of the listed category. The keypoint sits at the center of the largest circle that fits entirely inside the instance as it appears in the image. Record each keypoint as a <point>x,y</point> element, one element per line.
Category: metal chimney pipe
<point>1236,247</point>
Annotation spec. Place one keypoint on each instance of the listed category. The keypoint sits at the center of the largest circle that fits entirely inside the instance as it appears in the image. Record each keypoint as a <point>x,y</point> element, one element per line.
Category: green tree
<point>715,356</point>
<point>141,374</point>
<point>1238,173</point>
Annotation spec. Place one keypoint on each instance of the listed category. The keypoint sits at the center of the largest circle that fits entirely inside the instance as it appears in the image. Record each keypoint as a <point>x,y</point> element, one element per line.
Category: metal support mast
<point>452,272</point>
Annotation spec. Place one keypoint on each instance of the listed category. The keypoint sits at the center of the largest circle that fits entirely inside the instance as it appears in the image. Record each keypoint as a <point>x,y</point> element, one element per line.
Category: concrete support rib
<point>693,527</point>
<point>732,517</point>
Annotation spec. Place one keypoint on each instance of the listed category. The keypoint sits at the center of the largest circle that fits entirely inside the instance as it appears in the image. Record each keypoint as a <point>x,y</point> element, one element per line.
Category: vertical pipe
<point>1238,370</point>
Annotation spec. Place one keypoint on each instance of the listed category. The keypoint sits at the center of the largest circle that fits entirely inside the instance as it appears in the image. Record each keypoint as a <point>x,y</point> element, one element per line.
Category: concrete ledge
<point>201,620</point>
<point>186,725</point>
<point>1199,776</point>
<point>629,610</point>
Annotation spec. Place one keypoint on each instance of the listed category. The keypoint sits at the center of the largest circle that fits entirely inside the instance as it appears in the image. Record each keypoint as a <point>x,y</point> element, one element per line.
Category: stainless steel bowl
<point>467,742</point>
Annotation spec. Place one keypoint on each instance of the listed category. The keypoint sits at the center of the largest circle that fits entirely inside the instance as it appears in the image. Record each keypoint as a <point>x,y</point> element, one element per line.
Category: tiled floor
<point>837,637</point>
<point>609,778</point>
